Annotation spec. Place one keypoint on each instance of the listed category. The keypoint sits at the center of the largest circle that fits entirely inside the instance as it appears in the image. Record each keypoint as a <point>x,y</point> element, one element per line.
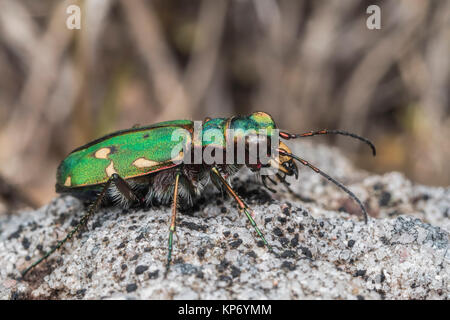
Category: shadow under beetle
<point>137,166</point>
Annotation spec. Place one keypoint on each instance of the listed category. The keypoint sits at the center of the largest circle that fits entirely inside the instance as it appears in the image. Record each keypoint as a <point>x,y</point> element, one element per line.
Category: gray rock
<point>320,252</point>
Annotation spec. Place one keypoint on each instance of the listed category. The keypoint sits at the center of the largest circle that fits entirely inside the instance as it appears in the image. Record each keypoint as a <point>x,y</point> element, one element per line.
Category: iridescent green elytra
<point>139,166</point>
<point>129,153</point>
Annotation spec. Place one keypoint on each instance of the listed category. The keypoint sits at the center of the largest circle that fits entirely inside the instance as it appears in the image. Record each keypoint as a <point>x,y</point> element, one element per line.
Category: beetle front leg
<point>242,205</point>
<point>172,227</point>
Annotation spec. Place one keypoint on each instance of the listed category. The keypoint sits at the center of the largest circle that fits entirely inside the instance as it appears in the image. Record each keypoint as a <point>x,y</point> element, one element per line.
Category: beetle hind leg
<point>93,208</point>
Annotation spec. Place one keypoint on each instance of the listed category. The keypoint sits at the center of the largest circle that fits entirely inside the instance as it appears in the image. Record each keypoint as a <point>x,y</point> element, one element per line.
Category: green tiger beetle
<point>139,165</point>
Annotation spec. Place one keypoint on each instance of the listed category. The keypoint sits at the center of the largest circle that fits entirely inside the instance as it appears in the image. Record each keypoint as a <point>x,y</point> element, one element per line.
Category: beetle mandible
<point>137,166</point>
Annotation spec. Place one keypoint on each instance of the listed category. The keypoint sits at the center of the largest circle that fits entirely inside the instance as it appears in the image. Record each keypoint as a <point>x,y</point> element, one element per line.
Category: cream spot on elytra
<point>102,153</point>
<point>179,157</point>
<point>144,163</point>
<point>68,182</point>
<point>110,169</point>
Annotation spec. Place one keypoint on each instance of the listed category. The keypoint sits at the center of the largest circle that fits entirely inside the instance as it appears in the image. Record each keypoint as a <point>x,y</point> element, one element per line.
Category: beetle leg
<point>242,205</point>
<point>271,180</point>
<point>266,186</point>
<point>172,221</point>
<point>92,209</point>
<point>124,188</point>
<point>283,179</point>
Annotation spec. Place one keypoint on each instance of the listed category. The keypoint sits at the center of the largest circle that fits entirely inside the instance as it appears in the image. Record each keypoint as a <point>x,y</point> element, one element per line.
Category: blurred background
<point>310,64</point>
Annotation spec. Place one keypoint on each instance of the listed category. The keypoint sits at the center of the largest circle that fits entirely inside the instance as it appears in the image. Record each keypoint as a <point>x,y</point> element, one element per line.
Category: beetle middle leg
<point>172,221</point>
<point>242,205</point>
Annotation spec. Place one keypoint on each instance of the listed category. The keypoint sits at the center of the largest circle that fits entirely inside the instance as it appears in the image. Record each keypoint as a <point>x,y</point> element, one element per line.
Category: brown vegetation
<point>311,64</point>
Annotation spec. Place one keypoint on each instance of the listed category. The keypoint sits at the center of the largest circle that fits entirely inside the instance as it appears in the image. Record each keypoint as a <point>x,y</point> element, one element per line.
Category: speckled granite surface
<point>323,249</point>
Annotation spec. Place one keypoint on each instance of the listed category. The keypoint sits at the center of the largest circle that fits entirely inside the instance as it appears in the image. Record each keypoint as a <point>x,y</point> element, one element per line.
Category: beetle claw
<point>282,179</point>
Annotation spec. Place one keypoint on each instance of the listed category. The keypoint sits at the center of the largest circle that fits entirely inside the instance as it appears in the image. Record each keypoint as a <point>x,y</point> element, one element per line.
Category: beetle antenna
<point>340,185</point>
<point>287,136</point>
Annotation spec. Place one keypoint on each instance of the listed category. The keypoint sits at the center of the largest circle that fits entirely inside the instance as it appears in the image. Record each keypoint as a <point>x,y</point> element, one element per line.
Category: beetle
<point>138,166</point>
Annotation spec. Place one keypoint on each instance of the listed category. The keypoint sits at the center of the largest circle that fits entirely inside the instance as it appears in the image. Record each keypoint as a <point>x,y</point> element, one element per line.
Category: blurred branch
<point>376,63</point>
<point>310,64</point>
<point>13,198</point>
<point>207,40</point>
<point>162,67</point>
<point>43,74</point>
<point>18,30</point>
<point>178,95</point>
<point>273,57</point>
